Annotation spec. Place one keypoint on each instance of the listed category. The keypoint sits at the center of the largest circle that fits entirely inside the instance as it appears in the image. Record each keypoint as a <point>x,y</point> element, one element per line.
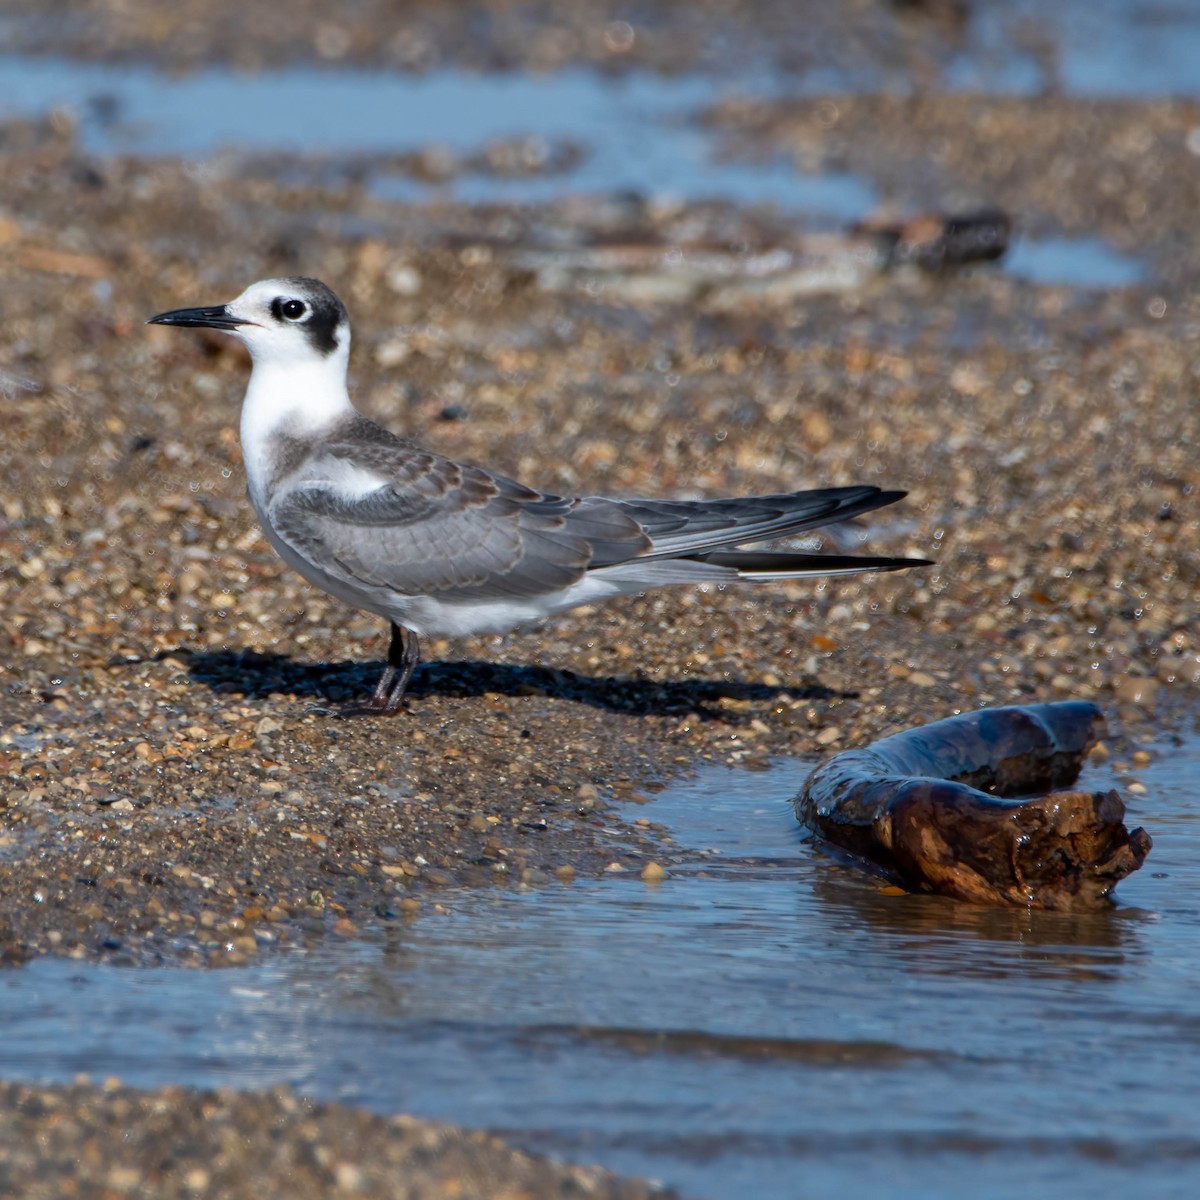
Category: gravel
<point>103,1140</point>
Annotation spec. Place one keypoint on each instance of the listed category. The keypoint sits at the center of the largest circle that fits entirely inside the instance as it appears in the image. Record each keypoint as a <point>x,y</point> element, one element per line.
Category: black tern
<point>442,548</point>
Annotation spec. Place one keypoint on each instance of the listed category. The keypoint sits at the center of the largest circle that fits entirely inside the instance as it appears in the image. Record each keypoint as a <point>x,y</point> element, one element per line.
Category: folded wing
<point>462,533</point>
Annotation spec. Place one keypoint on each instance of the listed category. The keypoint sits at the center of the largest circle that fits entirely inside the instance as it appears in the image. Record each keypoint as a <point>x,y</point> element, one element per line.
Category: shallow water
<point>1083,262</point>
<point>636,134</point>
<point>765,1023</point>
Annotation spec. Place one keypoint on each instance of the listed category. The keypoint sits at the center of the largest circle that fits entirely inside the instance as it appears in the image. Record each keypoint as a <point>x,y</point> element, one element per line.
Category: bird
<point>440,548</point>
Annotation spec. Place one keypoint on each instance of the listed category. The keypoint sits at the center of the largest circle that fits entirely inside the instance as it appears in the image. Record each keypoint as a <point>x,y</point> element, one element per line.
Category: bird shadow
<point>257,676</point>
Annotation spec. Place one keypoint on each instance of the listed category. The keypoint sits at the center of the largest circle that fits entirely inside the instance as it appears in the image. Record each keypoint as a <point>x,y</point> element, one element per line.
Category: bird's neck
<point>287,400</point>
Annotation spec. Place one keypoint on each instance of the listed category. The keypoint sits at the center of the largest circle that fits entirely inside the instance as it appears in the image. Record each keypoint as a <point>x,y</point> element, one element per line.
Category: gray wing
<point>462,532</point>
<point>447,529</point>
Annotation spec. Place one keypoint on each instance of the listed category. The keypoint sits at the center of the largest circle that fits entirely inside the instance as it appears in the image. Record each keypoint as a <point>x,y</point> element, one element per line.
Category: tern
<point>442,548</point>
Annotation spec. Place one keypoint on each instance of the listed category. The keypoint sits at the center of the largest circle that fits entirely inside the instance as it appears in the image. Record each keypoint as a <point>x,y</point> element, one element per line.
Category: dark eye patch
<point>323,317</point>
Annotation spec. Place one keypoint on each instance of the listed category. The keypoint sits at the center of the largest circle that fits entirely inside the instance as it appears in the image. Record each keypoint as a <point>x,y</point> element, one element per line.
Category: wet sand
<point>177,787</point>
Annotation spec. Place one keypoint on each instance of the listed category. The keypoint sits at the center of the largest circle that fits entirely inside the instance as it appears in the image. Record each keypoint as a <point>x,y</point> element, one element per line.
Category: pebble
<point>1137,690</point>
<point>348,1177</point>
<point>404,279</point>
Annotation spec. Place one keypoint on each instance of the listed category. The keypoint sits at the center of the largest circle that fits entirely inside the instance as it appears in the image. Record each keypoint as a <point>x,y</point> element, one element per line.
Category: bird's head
<point>286,322</point>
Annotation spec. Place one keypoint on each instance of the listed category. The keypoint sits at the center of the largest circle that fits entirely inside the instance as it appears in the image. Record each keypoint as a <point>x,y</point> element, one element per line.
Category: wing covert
<point>442,528</point>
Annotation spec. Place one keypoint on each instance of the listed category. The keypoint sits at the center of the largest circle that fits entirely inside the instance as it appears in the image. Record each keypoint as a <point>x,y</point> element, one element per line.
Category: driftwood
<point>912,805</point>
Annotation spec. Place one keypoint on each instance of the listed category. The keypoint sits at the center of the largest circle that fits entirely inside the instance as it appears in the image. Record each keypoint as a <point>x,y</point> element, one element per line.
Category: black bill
<point>215,317</point>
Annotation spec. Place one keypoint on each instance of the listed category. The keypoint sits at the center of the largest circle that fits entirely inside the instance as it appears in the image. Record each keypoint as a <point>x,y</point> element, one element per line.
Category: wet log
<point>947,808</point>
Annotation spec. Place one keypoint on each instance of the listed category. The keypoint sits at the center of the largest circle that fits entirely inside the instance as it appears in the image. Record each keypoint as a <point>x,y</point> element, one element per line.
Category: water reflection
<point>939,936</point>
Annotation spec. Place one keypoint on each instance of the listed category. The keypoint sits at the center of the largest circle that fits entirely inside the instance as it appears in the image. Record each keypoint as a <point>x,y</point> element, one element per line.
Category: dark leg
<point>404,652</point>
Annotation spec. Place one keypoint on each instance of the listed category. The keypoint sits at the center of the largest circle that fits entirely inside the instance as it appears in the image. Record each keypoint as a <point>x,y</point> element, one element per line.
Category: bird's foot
<point>388,706</point>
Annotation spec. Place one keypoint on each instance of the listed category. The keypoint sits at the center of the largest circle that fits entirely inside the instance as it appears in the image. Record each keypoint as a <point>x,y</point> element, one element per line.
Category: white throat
<point>293,396</point>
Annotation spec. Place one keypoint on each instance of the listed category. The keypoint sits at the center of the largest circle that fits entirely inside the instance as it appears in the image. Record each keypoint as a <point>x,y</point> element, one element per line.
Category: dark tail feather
<point>759,564</point>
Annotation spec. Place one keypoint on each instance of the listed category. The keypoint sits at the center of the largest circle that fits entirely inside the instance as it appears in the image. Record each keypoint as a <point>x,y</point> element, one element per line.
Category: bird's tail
<point>755,564</point>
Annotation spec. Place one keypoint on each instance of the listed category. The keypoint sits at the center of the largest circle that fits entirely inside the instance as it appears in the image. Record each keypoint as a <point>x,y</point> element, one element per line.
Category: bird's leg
<point>380,694</point>
<point>404,652</point>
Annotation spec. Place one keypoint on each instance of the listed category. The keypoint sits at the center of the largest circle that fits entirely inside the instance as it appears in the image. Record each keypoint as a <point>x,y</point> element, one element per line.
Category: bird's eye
<point>291,310</point>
